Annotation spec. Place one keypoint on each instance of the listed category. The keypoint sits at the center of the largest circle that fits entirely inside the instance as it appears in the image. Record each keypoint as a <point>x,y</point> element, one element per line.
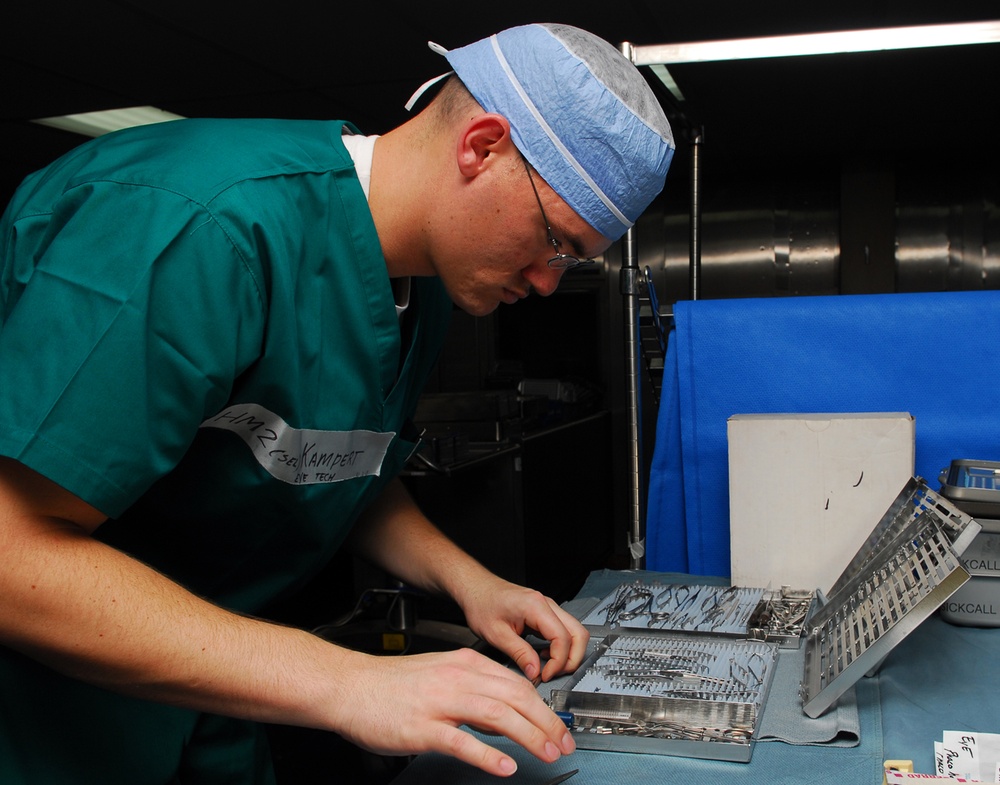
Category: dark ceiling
<point>313,59</point>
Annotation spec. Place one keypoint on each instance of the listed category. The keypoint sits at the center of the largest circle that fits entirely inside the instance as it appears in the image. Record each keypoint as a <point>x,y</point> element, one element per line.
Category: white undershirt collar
<point>362,150</point>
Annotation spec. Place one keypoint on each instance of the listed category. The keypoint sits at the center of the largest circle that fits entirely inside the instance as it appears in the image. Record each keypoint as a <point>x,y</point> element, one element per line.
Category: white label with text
<point>303,456</point>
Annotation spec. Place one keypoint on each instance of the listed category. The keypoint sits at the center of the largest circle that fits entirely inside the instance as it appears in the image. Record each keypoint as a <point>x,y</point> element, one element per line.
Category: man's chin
<point>480,309</point>
<point>477,306</point>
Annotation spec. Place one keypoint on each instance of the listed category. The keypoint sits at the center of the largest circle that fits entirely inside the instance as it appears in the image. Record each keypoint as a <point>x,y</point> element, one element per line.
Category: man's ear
<point>481,138</point>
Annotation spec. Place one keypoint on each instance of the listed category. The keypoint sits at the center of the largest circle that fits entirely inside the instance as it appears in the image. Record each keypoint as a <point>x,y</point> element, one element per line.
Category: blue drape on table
<point>934,355</point>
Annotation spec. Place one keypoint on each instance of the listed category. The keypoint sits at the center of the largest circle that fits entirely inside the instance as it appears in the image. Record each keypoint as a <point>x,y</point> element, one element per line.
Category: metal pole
<point>695,267</point>
<point>630,288</point>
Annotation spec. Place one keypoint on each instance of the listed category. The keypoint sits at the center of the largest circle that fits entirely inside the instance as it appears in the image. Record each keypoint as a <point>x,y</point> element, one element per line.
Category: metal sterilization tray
<point>974,486</point>
<point>670,694</point>
<point>728,611</point>
<point>907,569</point>
<point>916,501</point>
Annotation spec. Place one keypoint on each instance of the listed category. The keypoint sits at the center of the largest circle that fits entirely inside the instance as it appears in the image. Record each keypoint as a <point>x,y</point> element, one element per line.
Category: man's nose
<point>543,279</point>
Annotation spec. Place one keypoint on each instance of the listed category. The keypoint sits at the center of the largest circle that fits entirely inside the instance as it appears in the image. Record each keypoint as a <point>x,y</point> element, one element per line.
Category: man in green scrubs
<point>213,335</point>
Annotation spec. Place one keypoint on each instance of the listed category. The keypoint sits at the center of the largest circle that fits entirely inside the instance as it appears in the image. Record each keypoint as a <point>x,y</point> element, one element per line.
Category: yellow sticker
<point>393,641</point>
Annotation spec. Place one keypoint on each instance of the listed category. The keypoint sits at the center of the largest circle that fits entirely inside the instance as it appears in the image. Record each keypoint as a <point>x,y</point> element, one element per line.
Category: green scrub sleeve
<point>129,323</point>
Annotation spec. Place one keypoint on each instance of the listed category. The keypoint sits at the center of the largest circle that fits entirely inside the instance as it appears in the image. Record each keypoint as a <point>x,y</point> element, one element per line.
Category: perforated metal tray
<point>907,569</point>
<point>916,501</point>
<point>692,696</point>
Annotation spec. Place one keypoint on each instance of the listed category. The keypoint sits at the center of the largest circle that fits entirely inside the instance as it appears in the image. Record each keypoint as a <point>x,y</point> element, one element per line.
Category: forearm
<point>394,534</point>
<point>96,614</point>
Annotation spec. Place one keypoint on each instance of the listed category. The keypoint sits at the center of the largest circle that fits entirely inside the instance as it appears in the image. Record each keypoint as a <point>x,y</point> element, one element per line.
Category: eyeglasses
<point>561,261</point>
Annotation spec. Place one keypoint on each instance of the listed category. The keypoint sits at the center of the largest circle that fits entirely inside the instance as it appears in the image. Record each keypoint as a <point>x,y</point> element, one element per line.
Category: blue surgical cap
<point>580,112</point>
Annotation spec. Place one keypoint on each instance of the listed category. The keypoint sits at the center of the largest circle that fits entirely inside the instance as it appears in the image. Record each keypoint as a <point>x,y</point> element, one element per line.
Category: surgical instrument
<point>561,777</point>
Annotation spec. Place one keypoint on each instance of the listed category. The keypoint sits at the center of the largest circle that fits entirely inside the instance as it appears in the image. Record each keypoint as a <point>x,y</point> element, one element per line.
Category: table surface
<point>941,677</point>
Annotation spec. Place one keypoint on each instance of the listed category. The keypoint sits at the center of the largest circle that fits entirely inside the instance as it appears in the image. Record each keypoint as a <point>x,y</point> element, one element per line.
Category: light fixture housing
<point>841,42</point>
<point>100,123</point>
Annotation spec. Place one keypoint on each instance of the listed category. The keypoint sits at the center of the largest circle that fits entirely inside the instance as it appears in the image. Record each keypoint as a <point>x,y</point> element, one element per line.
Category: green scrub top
<point>199,338</point>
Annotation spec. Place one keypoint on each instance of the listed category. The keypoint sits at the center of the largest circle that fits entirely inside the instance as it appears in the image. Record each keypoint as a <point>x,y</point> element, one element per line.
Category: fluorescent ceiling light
<point>849,41</point>
<point>99,123</point>
<point>668,80</point>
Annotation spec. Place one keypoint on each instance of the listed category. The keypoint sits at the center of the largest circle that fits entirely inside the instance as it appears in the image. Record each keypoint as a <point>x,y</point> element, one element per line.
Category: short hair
<point>452,99</point>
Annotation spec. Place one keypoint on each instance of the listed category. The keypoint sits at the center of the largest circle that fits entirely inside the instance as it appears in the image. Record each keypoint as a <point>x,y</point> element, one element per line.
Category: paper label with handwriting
<point>302,456</point>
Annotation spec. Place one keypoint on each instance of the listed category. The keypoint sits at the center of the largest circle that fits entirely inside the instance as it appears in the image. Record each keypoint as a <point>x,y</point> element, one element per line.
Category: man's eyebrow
<point>574,242</point>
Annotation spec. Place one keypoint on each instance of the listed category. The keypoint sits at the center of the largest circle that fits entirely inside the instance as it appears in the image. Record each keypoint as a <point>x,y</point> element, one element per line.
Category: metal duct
<point>946,247</point>
<point>773,250</point>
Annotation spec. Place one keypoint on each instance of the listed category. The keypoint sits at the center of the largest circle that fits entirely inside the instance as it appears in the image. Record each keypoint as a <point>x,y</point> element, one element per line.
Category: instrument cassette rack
<point>686,669</point>
<point>974,487</point>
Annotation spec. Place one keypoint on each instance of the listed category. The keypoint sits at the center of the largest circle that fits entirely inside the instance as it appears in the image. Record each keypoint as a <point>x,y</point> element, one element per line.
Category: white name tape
<point>303,456</point>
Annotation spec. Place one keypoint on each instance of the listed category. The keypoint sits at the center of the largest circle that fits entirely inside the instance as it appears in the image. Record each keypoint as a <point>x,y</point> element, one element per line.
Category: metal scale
<point>686,670</point>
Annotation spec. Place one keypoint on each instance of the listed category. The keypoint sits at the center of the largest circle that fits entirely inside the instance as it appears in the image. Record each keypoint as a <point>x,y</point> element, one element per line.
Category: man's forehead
<point>584,240</point>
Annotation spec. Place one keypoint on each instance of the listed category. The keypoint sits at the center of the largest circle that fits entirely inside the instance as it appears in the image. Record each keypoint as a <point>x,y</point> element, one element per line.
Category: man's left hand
<point>501,613</point>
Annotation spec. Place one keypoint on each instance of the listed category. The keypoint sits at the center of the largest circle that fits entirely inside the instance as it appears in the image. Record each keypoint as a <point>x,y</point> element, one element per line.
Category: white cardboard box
<point>806,491</point>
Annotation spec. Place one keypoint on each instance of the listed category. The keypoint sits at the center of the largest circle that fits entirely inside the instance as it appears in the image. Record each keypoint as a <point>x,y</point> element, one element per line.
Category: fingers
<point>468,748</point>
<point>521,652</point>
<point>463,745</point>
<point>494,700</point>
<point>567,641</point>
<point>425,702</point>
<point>516,711</point>
<point>501,617</point>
